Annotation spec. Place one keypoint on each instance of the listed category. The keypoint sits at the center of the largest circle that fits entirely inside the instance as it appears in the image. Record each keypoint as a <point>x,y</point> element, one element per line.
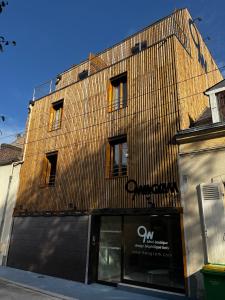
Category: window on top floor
<point>117,95</point>
<point>56,115</point>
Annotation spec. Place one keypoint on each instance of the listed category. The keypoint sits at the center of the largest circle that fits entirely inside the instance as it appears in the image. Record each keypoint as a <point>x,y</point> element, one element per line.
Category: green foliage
<point>3,41</point>
<point>3,5</point>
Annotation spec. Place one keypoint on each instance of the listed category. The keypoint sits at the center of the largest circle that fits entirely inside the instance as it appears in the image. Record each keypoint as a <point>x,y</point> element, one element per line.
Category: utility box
<point>214,281</point>
<point>212,217</point>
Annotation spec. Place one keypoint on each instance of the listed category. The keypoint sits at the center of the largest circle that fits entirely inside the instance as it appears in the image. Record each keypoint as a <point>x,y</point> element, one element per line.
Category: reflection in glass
<point>152,251</point>
<point>116,159</point>
<point>117,97</point>
<point>109,266</point>
<point>124,159</point>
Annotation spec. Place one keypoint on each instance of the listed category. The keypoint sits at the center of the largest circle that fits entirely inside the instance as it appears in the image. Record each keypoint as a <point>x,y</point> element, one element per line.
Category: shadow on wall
<point>198,168</point>
<point>52,243</point>
<point>55,241</point>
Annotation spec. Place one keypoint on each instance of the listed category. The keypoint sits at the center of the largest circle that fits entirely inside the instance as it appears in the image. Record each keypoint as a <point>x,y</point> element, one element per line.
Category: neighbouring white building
<point>202,178</point>
<point>10,163</point>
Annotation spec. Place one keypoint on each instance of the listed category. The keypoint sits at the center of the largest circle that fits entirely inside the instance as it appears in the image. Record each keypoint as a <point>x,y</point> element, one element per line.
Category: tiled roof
<point>19,141</point>
<point>205,118</point>
<point>9,154</point>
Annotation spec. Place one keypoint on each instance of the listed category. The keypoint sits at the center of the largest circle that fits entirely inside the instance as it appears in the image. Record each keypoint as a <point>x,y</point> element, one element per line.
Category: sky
<point>53,35</point>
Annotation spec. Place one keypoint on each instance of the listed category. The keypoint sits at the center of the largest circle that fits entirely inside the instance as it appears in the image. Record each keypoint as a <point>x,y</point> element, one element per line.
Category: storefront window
<point>152,251</point>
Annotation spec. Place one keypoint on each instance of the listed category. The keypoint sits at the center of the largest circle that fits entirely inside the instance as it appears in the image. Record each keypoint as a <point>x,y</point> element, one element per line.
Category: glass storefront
<point>152,251</point>
<point>142,250</point>
<point>109,260</point>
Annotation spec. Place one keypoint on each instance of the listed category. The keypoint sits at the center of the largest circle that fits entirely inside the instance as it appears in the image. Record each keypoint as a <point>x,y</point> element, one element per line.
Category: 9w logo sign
<point>146,235</point>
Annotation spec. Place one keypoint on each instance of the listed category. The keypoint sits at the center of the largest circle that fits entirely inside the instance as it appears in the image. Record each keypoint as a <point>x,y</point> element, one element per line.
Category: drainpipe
<point>88,250</point>
<point>31,104</point>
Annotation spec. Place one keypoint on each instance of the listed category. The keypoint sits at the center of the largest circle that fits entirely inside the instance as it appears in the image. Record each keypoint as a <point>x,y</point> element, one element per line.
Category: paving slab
<point>67,288</point>
<point>10,291</point>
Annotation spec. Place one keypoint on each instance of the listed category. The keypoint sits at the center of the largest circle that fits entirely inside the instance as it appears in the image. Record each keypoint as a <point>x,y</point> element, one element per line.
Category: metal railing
<point>44,89</point>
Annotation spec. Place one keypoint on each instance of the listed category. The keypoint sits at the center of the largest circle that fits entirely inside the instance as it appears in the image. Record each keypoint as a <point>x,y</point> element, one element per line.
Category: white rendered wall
<point>8,192</point>
<point>196,168</point>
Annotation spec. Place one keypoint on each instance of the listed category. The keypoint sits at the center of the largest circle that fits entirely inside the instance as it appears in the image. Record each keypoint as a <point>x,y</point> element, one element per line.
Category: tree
<point>3,41</point>
<point>3,5</point>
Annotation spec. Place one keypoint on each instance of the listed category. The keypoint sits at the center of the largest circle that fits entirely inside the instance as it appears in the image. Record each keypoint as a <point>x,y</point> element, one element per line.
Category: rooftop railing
<point>113,55</point>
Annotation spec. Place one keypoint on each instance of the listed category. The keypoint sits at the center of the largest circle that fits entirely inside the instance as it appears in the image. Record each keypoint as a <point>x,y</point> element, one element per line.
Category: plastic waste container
<point>214,281</point>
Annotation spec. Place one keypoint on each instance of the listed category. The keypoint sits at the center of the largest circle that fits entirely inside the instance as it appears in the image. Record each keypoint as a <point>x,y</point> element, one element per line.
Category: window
<point>56,115</point>
<point>49,172</point>
<point>116,157</point>
<point>118,92</point>
<point>221,105</point>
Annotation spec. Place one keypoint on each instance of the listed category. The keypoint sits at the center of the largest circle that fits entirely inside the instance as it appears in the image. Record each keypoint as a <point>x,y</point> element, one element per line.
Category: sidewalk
<point>66,289</point>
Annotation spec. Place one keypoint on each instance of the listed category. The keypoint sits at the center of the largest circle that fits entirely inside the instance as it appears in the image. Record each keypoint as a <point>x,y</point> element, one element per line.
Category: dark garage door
<point>55,246</point>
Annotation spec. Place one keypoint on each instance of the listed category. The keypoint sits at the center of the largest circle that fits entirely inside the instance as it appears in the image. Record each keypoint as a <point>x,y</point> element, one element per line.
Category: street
<point>9,291</point>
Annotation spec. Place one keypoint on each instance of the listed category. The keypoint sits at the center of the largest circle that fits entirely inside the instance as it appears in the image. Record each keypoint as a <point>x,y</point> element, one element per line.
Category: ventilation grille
<point>211,192</point>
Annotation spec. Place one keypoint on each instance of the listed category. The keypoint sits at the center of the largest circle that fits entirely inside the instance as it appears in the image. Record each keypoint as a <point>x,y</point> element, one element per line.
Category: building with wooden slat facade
<point>99,195</point>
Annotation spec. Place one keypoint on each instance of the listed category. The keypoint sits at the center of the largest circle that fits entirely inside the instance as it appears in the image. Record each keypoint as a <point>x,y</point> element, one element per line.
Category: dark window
<point>117,156</point>
<point>139,47</point>
<point>51,168</point>
<point>118,92</point>
<point>56,115</point>
<point>221,105</point>
<point>83,75</point>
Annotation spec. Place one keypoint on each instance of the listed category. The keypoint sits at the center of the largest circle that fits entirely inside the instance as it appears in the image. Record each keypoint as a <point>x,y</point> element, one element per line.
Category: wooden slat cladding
<point>159,99</point>
<point>198,73</point>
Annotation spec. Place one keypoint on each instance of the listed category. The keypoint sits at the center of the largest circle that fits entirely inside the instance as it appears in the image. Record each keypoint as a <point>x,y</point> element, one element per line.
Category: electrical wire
<point>127,115</point>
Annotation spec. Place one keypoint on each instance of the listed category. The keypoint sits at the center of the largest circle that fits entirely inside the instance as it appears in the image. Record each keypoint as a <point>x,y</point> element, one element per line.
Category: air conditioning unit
<point>83,75</point>
<point>139,47</point>
<point>135,49</point>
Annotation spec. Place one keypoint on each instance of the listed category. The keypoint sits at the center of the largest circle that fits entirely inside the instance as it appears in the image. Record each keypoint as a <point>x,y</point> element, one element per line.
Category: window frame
<point>110,157</point>
<point>53,123</point>
<point>117,83</point>
<point>48,168</point>
<point>220,98</point>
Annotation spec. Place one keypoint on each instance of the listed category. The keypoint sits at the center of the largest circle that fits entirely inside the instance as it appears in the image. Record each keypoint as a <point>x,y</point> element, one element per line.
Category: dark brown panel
<point>55,246</point>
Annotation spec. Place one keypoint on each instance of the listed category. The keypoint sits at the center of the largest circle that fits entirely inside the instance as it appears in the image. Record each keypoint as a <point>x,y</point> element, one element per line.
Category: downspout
<point>31,104</point>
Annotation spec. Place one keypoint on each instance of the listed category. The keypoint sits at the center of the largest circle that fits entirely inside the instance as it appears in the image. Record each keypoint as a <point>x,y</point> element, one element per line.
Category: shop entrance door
<point>109,257</point>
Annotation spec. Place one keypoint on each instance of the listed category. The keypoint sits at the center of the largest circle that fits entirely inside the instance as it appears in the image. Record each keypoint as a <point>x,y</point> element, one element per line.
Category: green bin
<point>214,281</point>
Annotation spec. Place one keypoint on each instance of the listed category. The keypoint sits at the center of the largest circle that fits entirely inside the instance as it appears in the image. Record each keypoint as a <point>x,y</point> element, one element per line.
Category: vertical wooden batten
<point>165,83</point>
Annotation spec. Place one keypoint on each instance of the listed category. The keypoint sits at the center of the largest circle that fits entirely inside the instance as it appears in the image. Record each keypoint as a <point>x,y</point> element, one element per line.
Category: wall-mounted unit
<point>82,75</point>
<point>212,217</point>
<point>139,47</point>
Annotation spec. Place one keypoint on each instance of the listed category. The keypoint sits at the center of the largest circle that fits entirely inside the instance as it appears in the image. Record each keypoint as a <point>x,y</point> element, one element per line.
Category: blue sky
<point>53,35</point>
